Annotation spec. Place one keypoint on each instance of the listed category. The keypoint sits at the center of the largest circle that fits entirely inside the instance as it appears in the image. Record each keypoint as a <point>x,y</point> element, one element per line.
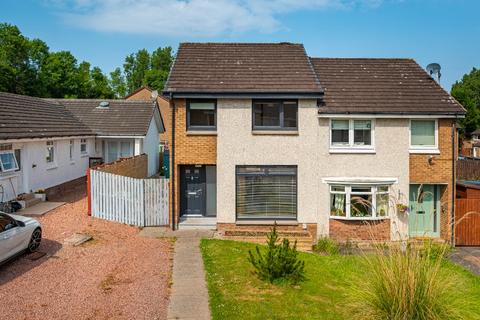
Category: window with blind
<point>423,134</point>
<point>266,192</point>
<point>201,115</point>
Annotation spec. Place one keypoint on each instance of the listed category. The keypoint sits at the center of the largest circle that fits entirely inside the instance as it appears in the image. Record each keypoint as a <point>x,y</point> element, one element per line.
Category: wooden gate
<point>467,222</point>
<point>140,202</point>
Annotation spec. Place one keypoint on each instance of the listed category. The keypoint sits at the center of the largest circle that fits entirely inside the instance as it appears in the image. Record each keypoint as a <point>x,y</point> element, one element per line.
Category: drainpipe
<point>172,160</point>
<point>453,183</point>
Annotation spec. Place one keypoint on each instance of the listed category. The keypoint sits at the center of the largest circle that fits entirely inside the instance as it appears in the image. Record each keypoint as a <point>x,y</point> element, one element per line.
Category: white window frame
<point>84,142</point>
<point>52,144</point>
<point>72,150</point>
<point>348,193</point>
<point>12,152</point>
<point>352,147</point>
<point>433,149</point>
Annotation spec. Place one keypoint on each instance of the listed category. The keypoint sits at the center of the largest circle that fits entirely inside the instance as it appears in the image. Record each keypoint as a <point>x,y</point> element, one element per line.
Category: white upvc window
<point>352,135</point>
<point>83,146</point>
<point>8,160</point>
<point>359,202</point>
<point>424,136</point>
<point>50,154</point>
<point>72,149</point>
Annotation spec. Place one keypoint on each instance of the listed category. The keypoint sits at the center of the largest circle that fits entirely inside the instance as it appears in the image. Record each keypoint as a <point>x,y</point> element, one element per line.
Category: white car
<point>18,234</point>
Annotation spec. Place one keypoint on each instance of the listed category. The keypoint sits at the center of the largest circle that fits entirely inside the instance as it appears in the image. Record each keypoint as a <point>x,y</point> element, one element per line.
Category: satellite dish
<point>434,68</point>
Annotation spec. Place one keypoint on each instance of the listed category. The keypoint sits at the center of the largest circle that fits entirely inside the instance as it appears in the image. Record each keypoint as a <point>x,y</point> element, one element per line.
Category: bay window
<point>266,192</point>
<point>351,134</point>
<point>359,202</point>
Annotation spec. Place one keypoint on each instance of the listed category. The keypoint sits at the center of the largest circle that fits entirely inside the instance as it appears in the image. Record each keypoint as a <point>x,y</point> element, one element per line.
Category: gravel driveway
<point>117,275</point>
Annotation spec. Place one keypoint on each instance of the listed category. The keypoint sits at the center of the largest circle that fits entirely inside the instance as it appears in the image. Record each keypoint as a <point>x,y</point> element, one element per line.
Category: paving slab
<point>189,294</point>
<point>468,257</point>
<point>39,209</point>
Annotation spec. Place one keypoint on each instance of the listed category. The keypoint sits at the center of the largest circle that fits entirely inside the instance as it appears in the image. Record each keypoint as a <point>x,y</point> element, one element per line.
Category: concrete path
<point>469,257</point>
<point>189,294</point>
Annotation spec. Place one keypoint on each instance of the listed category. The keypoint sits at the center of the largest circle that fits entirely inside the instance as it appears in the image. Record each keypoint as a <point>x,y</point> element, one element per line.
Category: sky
<point>103,32</point>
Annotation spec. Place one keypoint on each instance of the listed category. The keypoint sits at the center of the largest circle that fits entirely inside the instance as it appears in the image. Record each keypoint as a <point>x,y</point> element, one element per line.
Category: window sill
<point>275,132</point>
<point>202,133</point>
<point>360,218</point>
<point>53,167</point>
<point>424,151</point>
<point>84,155</point>
<point>8,175</point>
<point>72,162</point>
<point>267,222</point>
<point>352,150</point>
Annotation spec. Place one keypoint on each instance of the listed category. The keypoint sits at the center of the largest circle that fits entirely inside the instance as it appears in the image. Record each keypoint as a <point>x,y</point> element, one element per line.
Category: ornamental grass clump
<point>405,283</point>
<point>279,261</point>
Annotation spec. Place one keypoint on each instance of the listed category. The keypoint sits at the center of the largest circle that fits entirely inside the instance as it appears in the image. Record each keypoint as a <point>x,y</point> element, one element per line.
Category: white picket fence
<point>140,202</point>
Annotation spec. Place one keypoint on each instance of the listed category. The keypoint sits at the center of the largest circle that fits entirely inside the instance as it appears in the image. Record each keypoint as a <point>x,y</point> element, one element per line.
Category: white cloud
<point>190,18</point>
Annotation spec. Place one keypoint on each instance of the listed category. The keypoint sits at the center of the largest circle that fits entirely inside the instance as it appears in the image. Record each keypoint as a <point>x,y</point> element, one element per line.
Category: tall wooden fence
<point>468,169</point>
<point>140,202</point>
<point>467,222</point>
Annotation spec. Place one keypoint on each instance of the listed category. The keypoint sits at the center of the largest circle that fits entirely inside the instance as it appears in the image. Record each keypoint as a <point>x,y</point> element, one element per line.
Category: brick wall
<point>58,192</point>
<point>190,149</point>
<point>438,170</point>
<point>134,167</point>
<point>342,230</point>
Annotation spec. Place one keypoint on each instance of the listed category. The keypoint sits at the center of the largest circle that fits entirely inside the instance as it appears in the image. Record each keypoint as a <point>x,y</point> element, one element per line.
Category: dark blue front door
<point>193,186</point>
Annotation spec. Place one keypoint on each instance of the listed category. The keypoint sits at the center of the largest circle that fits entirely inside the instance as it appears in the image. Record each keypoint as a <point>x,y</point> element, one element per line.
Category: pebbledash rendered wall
<point>309,151</point>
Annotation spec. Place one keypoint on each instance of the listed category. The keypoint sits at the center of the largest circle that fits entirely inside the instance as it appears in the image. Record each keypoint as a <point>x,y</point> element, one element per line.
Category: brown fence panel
<point>467,222</point>
<point>468,169</point>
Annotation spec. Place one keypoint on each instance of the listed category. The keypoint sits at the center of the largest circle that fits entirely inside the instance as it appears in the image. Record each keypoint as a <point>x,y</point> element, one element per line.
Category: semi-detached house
<point>264,133</point>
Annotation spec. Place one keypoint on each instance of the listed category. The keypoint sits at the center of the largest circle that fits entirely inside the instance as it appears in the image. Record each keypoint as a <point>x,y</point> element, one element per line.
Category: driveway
<point>117,275</point>
<point>469,257</point>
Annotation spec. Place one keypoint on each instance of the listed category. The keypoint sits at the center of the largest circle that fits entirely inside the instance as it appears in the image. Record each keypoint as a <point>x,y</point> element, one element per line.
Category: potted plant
<point>402,208</point>
<point>40,194</point>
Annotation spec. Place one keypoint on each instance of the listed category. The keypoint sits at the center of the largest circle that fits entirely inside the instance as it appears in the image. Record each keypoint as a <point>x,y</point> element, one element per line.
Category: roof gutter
<point>247,95</point>
<point>390,115</point>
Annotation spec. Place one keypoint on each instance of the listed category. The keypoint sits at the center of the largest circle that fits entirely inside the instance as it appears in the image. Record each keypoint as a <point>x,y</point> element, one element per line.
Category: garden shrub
<point>327,246</point>
<point>279,261</point>
<point>405,283</point>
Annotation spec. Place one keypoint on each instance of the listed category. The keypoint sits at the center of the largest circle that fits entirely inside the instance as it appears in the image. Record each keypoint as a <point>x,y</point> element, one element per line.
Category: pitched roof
<point>388,86</point>
<point>121,117</point>
<point>23,117</point>
<point>240,68</point>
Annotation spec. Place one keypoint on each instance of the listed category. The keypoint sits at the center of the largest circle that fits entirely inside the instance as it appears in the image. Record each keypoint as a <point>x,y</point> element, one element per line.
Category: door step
<point>205,223</point>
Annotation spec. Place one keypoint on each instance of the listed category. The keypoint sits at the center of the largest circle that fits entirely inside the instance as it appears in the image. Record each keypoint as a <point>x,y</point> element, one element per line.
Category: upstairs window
<point>275,115</point>
<point>83,146</point>
<point>8,161</point>
<point>423,134</point>
<point>351,134</point>
<point>201,115</point>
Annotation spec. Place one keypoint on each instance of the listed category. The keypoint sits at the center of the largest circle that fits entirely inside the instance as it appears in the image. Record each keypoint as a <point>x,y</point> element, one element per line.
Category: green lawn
<point>237,294</point>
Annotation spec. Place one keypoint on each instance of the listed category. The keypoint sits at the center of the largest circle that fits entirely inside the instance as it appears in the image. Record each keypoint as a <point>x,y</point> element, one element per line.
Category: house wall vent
<point>103,104</point>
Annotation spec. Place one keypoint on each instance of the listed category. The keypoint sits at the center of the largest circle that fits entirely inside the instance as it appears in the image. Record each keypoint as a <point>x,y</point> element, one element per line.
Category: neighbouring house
<point>264,133</point>
<point>148,94</point>
<point>47,143</point>
<point>122,128</point>
<point>471,145</point>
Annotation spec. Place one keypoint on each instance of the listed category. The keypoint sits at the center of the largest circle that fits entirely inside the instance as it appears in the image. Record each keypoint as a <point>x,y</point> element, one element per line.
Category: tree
<point>143,69</point>
<point>100,86</point>
<point>59,75</point>
<point>467,92</point>
<point>117,83</point>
